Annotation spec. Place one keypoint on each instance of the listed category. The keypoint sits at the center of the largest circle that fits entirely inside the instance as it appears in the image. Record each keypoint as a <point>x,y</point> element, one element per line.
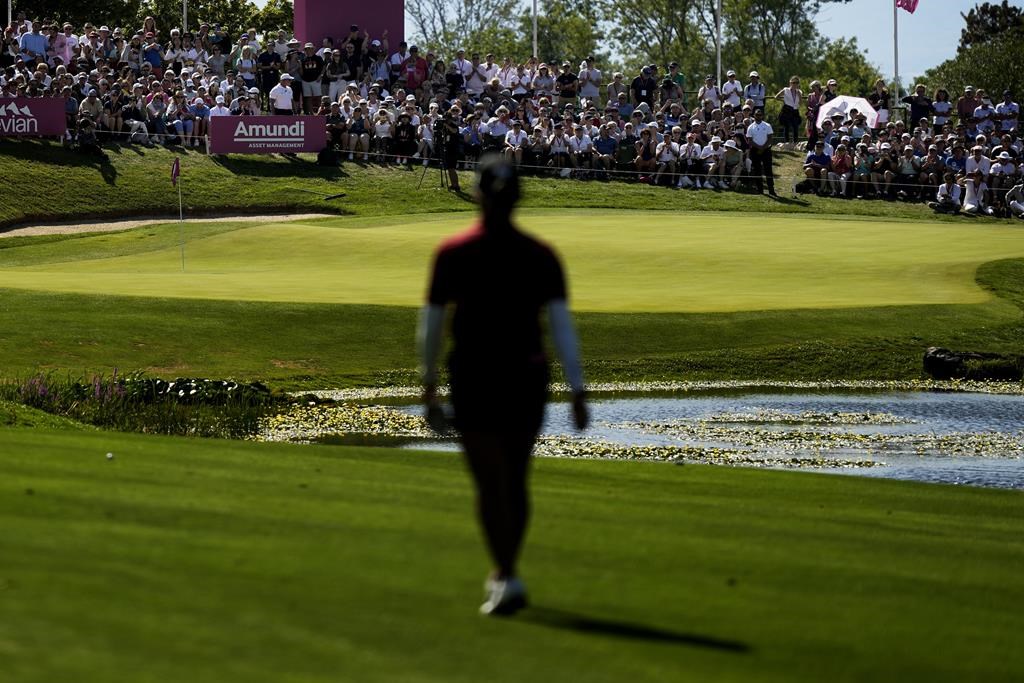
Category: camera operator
<point>446,142</point>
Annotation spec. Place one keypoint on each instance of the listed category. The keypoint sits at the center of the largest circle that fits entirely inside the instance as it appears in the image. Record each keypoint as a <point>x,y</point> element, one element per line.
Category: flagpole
<point>181,225</point>
<point>896,48</point>
<point>718,44</point>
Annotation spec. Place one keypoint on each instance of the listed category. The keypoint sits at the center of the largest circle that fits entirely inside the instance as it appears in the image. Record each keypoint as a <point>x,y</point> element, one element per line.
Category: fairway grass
<point>216,561</point>
<point>619,261</point>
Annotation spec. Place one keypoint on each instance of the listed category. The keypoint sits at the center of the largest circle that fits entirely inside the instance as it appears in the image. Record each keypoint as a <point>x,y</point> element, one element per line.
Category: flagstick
<point>896,48</point>
<point>181,225</point>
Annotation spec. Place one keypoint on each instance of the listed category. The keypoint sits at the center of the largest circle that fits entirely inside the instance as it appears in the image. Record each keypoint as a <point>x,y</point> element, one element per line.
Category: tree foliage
<point>447,25</point>
<point>110,12</point>
<point>987,21</point>
<point>994,65</point>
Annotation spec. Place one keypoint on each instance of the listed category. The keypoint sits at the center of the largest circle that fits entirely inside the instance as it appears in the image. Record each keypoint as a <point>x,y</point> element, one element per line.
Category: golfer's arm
<point>428,341</point>
<point>563,334</point>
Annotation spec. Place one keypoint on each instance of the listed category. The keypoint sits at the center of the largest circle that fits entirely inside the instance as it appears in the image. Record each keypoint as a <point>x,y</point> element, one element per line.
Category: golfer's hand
<point>580,412</point>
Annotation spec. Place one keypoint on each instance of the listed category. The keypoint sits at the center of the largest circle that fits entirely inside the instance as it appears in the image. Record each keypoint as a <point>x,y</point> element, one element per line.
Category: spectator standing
<point>942,109</point>
<point>965,107</point>
<point>813,106</point>
<point>415,70</point>
<point>1015,200</point>
<point>759,139</point>
<point>643,87</point>
<point>790,115</point>
<point>754,91</point>
<point>33,46</point>
<point>590,81</point>
<point>732,89</point>
<point>312,77</point>
<point>881,101</point>
<point>709,92</point>
<point>567,84</point>
<point>268,64</point>
<point>616,88</point>
<point>1007,112</point>
<point>920,104</point>
<point>831,91</point>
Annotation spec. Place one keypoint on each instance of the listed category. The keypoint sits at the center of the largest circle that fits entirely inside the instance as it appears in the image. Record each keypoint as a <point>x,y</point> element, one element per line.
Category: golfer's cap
<point>220,99</point>
<point>287,77</point>
<point>754,74</point>
<point>715,139</point>
<point>1004,155</point>
<point>730,72</point>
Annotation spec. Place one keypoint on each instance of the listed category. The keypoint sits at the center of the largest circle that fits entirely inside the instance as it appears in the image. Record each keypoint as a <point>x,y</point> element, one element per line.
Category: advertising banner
<point>267,134</point>
<point>21,116</point>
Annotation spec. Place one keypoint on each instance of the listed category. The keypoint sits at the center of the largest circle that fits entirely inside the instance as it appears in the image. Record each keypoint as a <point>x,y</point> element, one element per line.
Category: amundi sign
<point>267,134</point>
<point>22,116</point>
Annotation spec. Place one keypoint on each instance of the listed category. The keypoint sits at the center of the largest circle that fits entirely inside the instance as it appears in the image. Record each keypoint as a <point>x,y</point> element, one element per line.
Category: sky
<point>928,37</point>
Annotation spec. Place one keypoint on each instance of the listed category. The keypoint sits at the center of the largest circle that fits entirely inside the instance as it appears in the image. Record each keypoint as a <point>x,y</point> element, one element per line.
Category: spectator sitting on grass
<point>975,189</point>
<point>817,166</point>
<point>947,197</point>
<point>1015,200</point>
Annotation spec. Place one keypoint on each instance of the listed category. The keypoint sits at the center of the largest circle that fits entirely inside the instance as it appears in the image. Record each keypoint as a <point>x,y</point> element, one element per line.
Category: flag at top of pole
<point>909,5</point>
<point>175,171</point>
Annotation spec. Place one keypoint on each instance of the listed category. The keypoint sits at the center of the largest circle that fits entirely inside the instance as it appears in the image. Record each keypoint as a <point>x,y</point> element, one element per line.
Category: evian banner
<point>32,116</point>
<point>267,134</point>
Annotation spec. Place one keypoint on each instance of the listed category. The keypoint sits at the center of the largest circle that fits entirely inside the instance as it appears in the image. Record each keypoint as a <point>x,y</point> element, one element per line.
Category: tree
<point>446,25</point>
<point>844,61</point>
<point>565,30</point>
<point>994,65</point>
<point>111,12</point>
<point>234,15</point>
<point>987,21</point>
<point>275,15</point>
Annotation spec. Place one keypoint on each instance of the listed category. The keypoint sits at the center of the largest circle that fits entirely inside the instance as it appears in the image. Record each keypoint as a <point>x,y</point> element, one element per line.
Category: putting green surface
<point>202,560</point>
<point>619,261</point>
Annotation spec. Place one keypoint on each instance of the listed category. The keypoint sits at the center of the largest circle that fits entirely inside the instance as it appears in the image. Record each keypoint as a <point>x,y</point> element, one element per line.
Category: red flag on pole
<point>175,171</point>
<point>909,5</point>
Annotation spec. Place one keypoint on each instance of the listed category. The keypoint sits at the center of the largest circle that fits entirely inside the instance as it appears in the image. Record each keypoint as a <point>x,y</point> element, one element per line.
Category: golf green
<point>619,261</point>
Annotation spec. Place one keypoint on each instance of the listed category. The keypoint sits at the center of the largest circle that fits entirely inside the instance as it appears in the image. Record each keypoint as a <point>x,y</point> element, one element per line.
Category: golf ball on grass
<point>110,456</point>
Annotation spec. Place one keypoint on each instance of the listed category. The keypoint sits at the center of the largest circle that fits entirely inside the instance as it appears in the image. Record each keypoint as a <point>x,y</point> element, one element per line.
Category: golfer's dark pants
<point>761,165</point>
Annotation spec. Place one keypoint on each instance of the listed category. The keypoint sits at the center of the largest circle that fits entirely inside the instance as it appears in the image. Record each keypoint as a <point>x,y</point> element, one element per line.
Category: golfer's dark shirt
<point>499,283</point>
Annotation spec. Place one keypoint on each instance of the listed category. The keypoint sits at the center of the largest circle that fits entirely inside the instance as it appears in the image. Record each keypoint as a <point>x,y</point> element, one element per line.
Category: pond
<point>948,437</point>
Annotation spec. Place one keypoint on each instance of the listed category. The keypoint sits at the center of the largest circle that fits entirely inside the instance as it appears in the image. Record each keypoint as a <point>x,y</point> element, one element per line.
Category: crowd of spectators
<point>151,86</point>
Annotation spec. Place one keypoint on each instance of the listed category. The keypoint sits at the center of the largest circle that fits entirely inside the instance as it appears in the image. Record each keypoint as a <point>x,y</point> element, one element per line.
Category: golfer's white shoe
<point>504,597</point>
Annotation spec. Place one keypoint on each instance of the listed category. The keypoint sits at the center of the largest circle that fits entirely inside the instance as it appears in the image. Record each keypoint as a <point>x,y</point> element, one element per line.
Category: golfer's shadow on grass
<point>561,619</point>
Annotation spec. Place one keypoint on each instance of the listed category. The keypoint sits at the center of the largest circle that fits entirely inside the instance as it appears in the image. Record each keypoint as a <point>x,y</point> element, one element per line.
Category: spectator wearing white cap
<point>667,154</point>
<point>732,89</point>
<point>754,91</point>
<point>219,109</point>
<point>1002,172</point>
<point>712,155</point>
<point>709,92</point>
<point>978,162</point>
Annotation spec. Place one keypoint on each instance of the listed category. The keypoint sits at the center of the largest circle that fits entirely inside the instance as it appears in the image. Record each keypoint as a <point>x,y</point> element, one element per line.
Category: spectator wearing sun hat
<point>219,109</point>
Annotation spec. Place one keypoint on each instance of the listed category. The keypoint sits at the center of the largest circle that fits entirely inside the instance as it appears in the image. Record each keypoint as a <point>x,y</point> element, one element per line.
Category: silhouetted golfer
<point>499,280</point>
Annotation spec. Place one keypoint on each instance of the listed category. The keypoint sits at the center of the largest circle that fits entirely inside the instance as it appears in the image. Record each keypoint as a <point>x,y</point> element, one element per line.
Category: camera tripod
<point>438,154</point>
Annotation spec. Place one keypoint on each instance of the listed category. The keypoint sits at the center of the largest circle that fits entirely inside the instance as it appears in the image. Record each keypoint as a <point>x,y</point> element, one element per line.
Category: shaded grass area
<point>314,346</point>
<point>17,414</point>
<point>44,182</point>
<point>210,561</point>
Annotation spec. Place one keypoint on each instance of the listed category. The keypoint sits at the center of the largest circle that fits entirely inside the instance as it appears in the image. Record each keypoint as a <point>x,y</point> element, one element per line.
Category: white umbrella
<point>843,104</point>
